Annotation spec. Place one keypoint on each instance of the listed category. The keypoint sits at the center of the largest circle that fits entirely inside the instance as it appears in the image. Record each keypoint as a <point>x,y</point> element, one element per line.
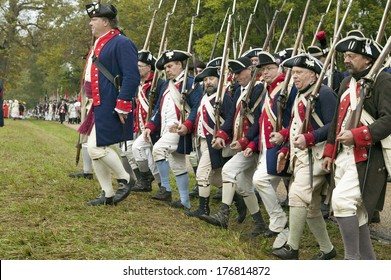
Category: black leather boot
<point>163,195</point>
<point>194,192</point>
<point>124,189</point>
<point>203,208</point>
<point>259,224</point>
<point>136,172</point>
<point>219,194</point>
<point>101,200</point>
<point>240,207</point>
<point>145,183</point>
<point>219,219</point>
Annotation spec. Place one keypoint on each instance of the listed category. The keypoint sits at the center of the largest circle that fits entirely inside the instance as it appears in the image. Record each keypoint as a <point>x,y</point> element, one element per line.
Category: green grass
<point>43,214</point>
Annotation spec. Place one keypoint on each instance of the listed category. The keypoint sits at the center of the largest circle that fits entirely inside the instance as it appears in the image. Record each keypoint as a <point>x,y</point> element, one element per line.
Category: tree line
<point>42,42</point>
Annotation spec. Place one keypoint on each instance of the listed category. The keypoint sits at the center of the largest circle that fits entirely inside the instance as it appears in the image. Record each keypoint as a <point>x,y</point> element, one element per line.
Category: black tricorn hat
<point>316,51</point>
<point>252,53</point>
<point>147,57</point>
<point>199,64</point>
<point>238,65</point>
<point>207,72</point>
<point>355,32</point>
<point>266,58</point>
<point>216,62</point>
<point>304,61</point>
<point>101,10</point>
<point>364,46</point>
<point>285,53</point>
<point>171,55</point>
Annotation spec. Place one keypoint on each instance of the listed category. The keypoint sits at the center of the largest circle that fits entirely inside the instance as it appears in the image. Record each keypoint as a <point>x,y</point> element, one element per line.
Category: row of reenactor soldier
<point>249,155</point>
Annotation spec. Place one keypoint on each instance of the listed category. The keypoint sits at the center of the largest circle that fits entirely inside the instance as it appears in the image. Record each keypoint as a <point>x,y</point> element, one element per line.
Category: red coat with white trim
<point>119,55</point>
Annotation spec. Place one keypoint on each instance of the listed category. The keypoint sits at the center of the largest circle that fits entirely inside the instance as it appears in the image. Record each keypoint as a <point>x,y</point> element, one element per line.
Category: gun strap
<point>103,69</point>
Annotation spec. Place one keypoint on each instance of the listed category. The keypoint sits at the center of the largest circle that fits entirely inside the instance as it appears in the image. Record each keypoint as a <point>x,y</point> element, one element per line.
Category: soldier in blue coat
<point>109,122</point>
<point>210,160</point>
<point>238,171</point>
<point>305,151</point>
<point>175,132</point>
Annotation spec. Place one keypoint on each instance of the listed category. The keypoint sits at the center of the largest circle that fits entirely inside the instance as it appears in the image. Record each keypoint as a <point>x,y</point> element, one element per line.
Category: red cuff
<point>151,126</point>
<point>328,150</point>
<point>252,146</point>
<point>222,134</point>
<point>285,151</point>
<point>124,105</point>
<point>285,133</point>
<point>189,126</point>
<point>309,139</point>
<point>243,142</point>
<point>362,136</point>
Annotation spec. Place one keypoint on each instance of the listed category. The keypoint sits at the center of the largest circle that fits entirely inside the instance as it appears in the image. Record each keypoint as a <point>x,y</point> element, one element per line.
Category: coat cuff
<point>285,151</point>
<point>124,105</point>
<point>309,139</point>
<point>243,142</point>
<point>362,136</point>
<point>328,150</point>
<point>189,126</point>
<point>252,146</point>
<point>285,133</point>
<point>151,126</point>
<point>222,134</point>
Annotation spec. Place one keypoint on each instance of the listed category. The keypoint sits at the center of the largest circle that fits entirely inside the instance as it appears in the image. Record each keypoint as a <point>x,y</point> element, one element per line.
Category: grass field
<point>43,214</point>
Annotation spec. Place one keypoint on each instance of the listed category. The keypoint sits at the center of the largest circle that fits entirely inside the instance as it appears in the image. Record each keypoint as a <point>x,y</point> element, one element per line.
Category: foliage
<point>45,40</point>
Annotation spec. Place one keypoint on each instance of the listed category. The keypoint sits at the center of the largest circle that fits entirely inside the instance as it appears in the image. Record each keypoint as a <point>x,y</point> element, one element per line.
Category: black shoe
<point>286,253</point>
<point>141,187</point>
<point>194,192</point>
<point>218,195</point>
<point>178,204</point>
<point>219,219</point>
<point>123,190</point>
<point>375,217</point>
<point>81,174</point>
<point>163,195</point>
<point>269,233</point>
<point>241,208</point>
<point>285,203</point>
<point>101,200</point>
<point>144,184</point>
<point>203,208</point>
<point>323,256</point>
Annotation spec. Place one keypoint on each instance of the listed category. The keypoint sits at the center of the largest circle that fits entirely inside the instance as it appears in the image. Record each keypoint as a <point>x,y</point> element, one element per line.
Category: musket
<point>315,91</point>
<point>383,22</point>
<point>283,30</point>
<point>366,86</point>
<point>250,19</point>
<point>281,102</point>
<point>155,79</point>
<point>186,71</point>
<point>147,39</point>
<point>217,36</point>
<point>330,81</point>
<point>220,86</point>
<point>320,23</point>
<point>245,102</point>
